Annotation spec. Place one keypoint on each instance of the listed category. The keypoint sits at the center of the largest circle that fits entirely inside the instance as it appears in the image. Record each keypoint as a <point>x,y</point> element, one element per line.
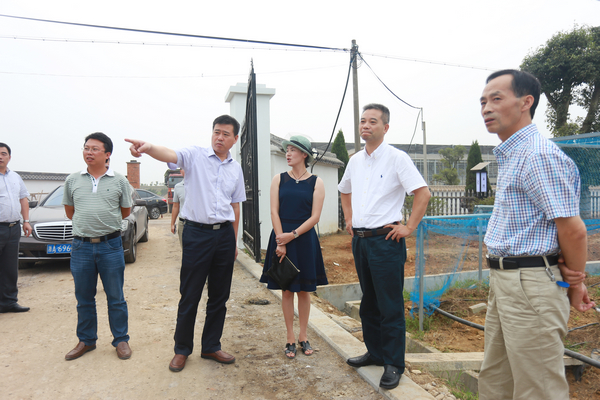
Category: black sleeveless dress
<point>295,207</point>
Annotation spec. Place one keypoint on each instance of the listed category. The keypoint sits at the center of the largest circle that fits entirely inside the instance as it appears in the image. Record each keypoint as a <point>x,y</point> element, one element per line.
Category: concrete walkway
<point>345,344</point>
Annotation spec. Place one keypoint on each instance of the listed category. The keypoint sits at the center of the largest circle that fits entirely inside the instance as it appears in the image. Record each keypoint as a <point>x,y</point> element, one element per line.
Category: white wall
<point>236,97</point>
<point>271,161</point>
<point>43,187</point>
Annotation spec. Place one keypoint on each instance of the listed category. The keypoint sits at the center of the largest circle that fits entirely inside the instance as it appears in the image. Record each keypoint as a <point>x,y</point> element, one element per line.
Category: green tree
<point>568,67</point>
<point>473,159</point>
<point>450,158</point>
<point>339,149</point>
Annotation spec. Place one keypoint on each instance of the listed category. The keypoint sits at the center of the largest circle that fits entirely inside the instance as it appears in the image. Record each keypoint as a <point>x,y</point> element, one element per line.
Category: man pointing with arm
<point>214,188</point>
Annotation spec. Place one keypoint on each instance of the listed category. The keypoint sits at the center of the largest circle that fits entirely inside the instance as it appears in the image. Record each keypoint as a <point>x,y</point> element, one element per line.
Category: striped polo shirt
<point>97,202</point>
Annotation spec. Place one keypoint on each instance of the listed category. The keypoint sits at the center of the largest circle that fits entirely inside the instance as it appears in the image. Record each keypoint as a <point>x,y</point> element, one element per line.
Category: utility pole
<point>426,175</point>
<point>353,57</point>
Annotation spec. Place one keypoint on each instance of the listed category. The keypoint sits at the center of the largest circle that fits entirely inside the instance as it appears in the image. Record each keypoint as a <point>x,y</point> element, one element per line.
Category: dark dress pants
<point>9,264</point>
<point>380,267</point>
<point>207,254</point>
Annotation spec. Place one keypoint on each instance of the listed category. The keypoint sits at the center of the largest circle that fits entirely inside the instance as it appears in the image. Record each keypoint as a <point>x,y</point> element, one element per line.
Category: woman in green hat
<point>296,202</point>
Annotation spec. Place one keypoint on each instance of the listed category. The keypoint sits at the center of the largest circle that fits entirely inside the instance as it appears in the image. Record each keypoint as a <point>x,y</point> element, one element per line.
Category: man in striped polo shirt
<point>97,199</point>
<point>214,186</point>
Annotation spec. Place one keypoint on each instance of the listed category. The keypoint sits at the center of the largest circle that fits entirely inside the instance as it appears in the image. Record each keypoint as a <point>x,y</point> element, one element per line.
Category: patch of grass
<point>464,394</point>
<point>571,345</point>
<point>465,284</point>
<point>412,326</point>
<point>458,389</point>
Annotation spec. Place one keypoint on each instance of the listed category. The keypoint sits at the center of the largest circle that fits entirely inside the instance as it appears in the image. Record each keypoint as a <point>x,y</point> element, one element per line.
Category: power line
<point>337,117</point>
<point>174,33</point>
<point>97,41</point>
<point>167,77</point>
<point>443,63</point>
<point>390,90</point>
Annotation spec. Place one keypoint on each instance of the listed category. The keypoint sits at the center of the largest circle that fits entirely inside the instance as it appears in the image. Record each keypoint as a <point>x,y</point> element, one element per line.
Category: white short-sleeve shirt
<point>379,183</point>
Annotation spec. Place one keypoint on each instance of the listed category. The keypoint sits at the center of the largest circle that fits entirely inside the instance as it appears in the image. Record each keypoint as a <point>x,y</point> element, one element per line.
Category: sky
<point>58,83</point>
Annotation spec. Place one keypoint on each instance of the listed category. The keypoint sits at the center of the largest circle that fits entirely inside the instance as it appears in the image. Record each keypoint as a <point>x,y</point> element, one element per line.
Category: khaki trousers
<point>526,320</point>
<point>180,231</point>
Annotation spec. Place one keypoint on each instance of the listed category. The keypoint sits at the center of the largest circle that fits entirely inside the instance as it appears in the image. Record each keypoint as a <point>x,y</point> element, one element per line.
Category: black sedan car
<point>155,204</point>
<point>53,231</point>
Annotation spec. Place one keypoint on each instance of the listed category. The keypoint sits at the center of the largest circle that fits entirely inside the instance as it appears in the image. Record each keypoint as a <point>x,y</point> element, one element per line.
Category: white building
<point>39,184</point>
<point>271,161</point>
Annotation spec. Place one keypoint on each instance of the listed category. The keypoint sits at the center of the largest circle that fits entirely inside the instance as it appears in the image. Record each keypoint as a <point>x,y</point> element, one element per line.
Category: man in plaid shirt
<point>536,217</point>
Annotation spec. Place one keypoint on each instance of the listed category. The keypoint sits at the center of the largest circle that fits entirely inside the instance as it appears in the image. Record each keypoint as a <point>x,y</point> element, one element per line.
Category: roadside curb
<point>344,344</point>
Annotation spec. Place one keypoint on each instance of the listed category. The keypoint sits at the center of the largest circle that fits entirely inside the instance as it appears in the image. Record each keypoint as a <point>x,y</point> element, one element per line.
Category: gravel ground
<point>34,344</point>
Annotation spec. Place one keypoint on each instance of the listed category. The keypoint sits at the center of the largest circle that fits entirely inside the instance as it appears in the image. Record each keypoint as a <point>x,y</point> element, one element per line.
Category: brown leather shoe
<point>219,356</point>
<point>123,350</point>
<point>177,363</point>
<point>78,351</point>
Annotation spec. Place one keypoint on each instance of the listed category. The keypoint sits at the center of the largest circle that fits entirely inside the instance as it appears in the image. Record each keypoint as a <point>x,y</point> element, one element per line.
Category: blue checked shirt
<point>537,183</point>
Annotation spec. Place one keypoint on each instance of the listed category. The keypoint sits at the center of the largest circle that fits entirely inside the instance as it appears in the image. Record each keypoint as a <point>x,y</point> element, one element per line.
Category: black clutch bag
<point>283,273</point>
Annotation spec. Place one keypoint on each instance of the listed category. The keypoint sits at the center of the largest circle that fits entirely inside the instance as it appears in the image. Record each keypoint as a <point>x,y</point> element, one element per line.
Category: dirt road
<point>32,364</point>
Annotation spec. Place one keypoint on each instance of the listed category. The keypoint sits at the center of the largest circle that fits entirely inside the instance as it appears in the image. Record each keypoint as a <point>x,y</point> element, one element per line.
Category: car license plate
<point>58,248</point>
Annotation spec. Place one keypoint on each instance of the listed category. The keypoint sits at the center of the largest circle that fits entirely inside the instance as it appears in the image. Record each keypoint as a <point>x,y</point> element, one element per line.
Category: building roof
<point>412,149</point>
<point>41,176</point>
<point>480,166</point>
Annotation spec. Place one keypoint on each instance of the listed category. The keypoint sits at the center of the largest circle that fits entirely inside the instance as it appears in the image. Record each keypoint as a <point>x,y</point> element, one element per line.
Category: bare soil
<point>33,344</point>
<point>450,336</point>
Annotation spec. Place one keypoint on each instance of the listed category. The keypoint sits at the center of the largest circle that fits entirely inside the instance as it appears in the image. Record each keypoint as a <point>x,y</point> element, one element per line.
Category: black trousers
<point>207,254</point>
<point>380,268</point>
<point>9,264</point>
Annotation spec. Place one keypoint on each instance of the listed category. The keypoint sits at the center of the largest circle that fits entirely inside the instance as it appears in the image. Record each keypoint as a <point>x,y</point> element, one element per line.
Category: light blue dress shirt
<point>12,190</point>
<point>211,185</point>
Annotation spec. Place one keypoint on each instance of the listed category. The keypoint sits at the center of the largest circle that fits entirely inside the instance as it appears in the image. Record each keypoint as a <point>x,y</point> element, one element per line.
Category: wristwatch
<point>295,234</point>
<point>25,220</point>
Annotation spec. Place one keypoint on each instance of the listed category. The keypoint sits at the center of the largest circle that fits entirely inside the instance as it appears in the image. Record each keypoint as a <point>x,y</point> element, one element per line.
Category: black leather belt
<point>214,227</point>
<point>99,239</point>
<point>9,224</point>
<point>521,262</point>
<point>365,233</point>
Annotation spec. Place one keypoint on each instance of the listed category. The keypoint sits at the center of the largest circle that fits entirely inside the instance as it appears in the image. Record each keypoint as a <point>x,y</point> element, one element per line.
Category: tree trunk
<point>560,104</point>
<point>586,126</point>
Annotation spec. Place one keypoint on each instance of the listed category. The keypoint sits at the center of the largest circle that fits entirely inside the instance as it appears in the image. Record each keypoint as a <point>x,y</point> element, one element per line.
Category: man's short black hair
<point>523,84</point>
<point>228,120</point>
<point>385,112</point>
<point>7,147</point>
<point>108,144</point>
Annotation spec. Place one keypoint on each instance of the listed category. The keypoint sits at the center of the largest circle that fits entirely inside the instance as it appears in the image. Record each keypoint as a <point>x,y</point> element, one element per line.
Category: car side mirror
<point>33,203</point>
<point>140,202</point>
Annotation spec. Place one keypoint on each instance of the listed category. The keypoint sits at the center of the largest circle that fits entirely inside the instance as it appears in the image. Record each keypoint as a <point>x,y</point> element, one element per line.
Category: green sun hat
<point>301,143</point>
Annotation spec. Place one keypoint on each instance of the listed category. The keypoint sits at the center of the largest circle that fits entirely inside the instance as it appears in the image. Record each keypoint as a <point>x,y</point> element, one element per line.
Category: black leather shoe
<point>390,378</point>
<point>14,308</point>
<point>363,361</point>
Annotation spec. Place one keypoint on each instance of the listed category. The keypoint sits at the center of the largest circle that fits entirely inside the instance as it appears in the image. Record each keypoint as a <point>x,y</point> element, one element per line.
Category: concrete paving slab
<point>457,361</point>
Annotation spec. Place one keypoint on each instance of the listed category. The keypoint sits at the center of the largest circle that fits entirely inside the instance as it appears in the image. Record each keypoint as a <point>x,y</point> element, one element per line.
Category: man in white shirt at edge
<point>178,200</point>
<point>13,204</point>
